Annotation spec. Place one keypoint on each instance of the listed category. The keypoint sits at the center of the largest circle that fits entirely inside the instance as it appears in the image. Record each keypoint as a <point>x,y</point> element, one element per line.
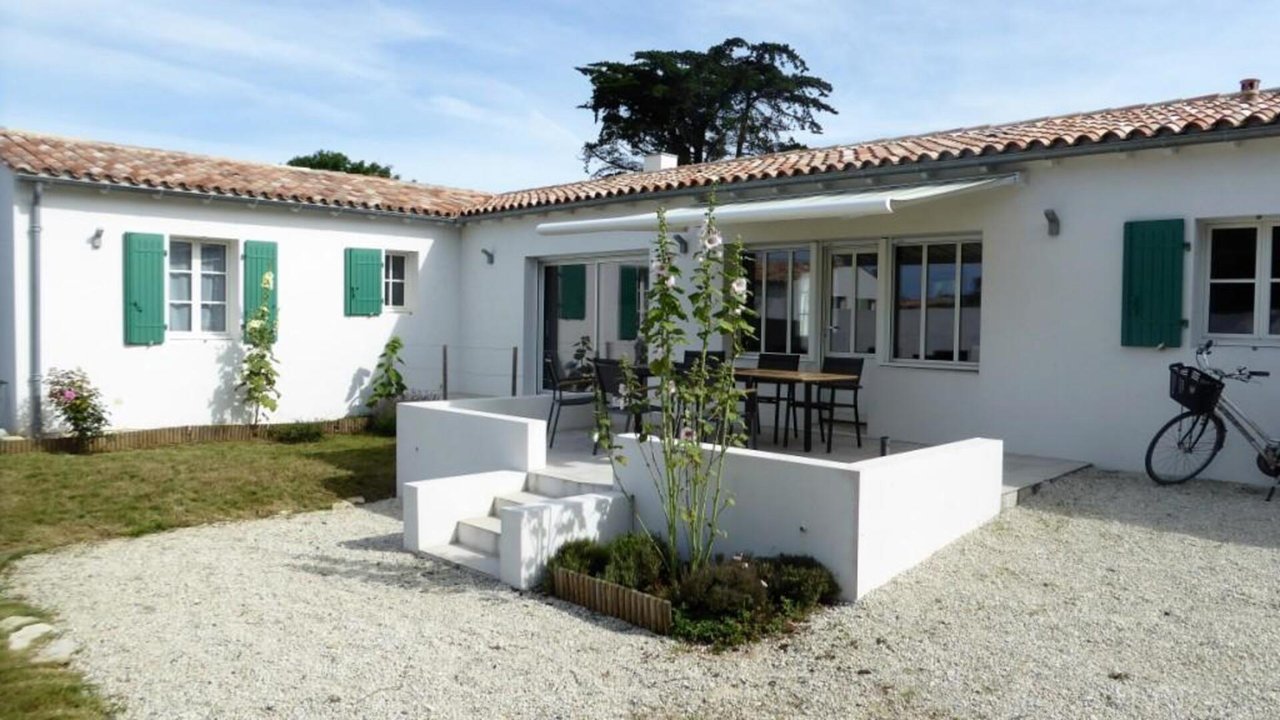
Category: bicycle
<point>1192,439</point>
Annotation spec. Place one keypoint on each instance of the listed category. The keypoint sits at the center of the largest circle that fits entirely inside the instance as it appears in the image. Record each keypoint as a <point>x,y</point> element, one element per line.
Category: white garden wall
<point>865,521</point>
<point>459,437</point>
<point>326,359</point>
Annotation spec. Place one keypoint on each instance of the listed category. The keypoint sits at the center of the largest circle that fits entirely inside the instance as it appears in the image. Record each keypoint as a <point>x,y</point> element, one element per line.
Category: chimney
<point>1249,86</point>
<point>659,161</point>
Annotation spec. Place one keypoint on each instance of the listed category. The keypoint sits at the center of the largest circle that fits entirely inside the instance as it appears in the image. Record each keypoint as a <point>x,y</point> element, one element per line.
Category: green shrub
<point>292,433</point>
<point>797,582</point>
<point>634,562</point>
<point>583,556</point>
<point>722,590</point>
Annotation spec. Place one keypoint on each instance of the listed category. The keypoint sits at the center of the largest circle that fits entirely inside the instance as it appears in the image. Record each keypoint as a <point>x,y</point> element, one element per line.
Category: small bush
<point>583,556</point>
<point>78,403</point>
<point>293,433</point>
<point>722,590</point>
<point>634,562</point>
<point>383,416</point>
<point>797,582</point>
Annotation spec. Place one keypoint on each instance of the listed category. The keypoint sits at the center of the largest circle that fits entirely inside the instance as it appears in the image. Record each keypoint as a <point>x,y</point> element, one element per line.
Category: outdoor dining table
<point>807,378</point>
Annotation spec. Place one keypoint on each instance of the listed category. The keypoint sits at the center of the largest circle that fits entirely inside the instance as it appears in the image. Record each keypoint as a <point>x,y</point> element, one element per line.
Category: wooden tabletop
<point>799,376</point>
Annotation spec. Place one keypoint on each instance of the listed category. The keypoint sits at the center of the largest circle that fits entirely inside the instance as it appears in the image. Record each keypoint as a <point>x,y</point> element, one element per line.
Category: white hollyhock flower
<point>687,434</point>
<point>740,287</point>
<point>268,280</point>
<point>669,281</point>
<point>711,238</point>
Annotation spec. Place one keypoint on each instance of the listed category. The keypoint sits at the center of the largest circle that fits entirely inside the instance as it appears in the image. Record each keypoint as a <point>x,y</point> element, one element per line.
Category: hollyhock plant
<point>700,406</point>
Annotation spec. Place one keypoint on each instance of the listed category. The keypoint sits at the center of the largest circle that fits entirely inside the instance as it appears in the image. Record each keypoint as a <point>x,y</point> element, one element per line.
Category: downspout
<point>33,230</point>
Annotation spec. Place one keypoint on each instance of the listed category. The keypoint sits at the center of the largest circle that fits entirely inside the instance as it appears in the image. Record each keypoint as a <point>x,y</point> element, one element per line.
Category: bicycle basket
<point>1194,389</point>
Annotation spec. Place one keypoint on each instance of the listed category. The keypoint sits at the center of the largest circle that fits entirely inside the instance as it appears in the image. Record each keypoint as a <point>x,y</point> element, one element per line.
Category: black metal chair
<point>843,366</point>
<point>609,382</point>
<point>564,392</point>
<point>778,361</point>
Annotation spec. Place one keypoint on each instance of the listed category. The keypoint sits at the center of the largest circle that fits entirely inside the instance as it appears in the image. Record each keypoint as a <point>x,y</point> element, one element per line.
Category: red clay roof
<point>107,163</point>
<point>52,156</point>
<point>1136,122</point>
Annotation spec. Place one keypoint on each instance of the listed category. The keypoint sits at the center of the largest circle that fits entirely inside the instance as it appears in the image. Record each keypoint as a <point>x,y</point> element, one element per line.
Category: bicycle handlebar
<point>1242,373</point>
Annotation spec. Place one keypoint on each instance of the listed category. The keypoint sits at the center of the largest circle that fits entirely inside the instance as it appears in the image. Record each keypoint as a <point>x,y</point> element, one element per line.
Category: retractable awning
<point>812,207</point>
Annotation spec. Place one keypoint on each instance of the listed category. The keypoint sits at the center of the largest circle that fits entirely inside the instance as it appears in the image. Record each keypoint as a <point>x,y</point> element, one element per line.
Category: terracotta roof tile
<point>106,163</point>
<point>110,164</point>
<point>1177,117</point>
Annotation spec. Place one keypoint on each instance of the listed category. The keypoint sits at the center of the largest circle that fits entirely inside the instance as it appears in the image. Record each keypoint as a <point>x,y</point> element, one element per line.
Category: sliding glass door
<point>596,304</point>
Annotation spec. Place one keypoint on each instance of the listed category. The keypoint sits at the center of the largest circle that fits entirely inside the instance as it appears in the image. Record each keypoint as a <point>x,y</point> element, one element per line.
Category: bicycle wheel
<point>1184,447</point>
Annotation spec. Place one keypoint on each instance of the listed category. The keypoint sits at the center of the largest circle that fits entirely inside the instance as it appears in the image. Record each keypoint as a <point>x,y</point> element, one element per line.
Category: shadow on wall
<point>1221,512</point>
<point>358,391</point>
<point>225,406</point>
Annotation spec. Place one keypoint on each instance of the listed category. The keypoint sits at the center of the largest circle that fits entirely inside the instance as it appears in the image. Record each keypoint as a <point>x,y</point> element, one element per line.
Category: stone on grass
<point>57,652</point>
<point>13,622</point>
<point>23,638</point>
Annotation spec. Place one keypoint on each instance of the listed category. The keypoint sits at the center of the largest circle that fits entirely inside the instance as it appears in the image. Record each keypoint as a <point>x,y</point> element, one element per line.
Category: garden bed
<point>729,602</point>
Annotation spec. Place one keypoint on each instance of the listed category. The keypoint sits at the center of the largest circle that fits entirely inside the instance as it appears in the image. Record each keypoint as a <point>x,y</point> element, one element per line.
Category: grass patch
<point>48,500</point>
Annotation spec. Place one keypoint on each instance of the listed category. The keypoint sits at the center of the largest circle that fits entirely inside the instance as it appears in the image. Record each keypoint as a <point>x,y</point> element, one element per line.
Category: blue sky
<point>484,94</point>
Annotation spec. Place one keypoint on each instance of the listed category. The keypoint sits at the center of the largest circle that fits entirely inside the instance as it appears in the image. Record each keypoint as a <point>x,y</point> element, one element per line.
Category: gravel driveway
<point>1103,596</point>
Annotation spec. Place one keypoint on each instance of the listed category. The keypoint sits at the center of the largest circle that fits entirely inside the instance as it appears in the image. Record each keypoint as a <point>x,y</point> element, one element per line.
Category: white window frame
<point>1262,282</point>
<point>409,280</point>
<point>889,318</point>
<point>817,291</point>
<point>232,270</point>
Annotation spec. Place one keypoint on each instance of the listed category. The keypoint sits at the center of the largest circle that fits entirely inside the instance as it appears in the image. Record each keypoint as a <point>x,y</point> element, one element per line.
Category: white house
<point>1061,264</point>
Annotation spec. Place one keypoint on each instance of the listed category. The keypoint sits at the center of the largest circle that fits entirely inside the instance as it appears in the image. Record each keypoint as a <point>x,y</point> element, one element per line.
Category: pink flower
<point>688,435</point>
<point>68,395</point>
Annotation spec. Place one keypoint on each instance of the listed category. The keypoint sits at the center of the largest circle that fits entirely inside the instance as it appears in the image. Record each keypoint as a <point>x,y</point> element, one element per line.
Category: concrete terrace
<point>1024,475</point>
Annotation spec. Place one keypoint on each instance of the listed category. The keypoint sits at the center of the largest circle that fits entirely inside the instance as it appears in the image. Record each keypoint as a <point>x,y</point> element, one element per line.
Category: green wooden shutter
<point>363,282</point>
<point>143,289</point>
<point>259,259</point>
<point>628,307</point>
<point>1154,253</point>
<point>573,292</point>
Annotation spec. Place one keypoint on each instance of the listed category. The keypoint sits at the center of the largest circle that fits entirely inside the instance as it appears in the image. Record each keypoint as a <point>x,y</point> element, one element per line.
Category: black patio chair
<point>564,392</point>
<point>827,408</point>
<point>778,361</point>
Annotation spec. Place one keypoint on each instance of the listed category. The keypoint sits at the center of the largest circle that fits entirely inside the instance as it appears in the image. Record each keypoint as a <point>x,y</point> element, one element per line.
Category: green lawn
<point>49,500</point>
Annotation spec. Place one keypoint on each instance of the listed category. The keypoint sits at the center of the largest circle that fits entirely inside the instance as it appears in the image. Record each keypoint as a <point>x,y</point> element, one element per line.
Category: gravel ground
<point>1103,596</point>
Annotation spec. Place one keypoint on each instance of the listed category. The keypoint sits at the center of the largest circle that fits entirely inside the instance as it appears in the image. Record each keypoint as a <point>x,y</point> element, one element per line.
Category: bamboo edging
<point>159,437</point>
<point>641,609</point>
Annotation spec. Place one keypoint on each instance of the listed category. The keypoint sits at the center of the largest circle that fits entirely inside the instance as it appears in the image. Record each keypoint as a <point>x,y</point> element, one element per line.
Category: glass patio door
<point>852,288</point>
<point>595,302</point>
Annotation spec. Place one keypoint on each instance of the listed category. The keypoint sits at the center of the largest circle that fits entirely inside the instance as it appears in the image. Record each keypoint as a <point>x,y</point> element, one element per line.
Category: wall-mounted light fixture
<point>1055,226</point>
<point>488,256</point>
<point>95,240</point>
<point>681,243</point>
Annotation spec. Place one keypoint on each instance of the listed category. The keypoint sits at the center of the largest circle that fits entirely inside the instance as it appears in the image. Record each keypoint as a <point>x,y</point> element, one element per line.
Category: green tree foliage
<point>339,162</point>
<point>735,99</point>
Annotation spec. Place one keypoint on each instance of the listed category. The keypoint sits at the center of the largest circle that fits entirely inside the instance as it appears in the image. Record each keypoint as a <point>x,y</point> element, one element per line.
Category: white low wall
<point>531,534</point>
<point>445,438</point>
<point>912,504</point>
<point>865,521</point>
<point>432,508</point>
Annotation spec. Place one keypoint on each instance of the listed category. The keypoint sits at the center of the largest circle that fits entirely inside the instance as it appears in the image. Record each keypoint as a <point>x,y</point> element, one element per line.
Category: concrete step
<point>479,534</point>
<point>458,555</point>
<point>541,482</point>
<point>517,498</point>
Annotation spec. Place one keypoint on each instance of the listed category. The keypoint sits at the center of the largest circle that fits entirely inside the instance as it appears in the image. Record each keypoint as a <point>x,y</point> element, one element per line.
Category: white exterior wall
<point>1053,378</point>
<point>326,359</point>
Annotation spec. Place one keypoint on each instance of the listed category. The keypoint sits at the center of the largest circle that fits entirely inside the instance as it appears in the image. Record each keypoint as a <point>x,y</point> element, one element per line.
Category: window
<point>779,289</point>
<point>854,287</point>
<point>395,288</point>
<point>937,301</point>
<point>197,286</point>
<point>1243,284</point>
